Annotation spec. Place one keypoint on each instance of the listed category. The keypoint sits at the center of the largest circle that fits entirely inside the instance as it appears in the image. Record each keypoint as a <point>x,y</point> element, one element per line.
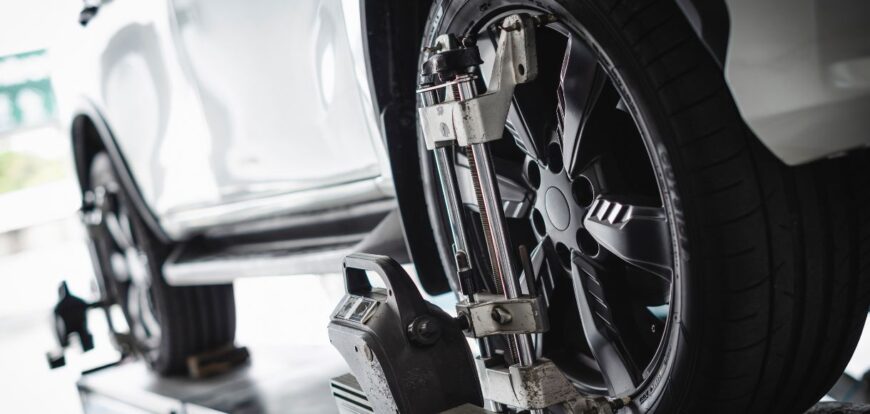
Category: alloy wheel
<point>577,183</point>
<point>129,267</point>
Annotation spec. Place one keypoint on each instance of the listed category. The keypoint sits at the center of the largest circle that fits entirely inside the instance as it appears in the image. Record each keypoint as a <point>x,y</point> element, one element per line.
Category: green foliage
<point>21,170</point>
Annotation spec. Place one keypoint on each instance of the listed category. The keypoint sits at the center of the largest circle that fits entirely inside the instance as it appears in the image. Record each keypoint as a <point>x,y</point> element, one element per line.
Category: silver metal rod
<point>452,202</point>
<point>501,244</point>
<point>428,97</point>
<point>492,204</point>
<point>492,213</point>
<point>447,179</point>
<point>467,88</point>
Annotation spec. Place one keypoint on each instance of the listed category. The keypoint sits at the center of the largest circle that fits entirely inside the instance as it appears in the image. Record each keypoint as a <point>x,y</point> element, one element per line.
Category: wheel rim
<point>129,268</point>
<point>593,210</point>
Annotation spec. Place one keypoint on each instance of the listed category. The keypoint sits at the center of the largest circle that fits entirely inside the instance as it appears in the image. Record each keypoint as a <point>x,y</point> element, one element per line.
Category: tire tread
<point>808,247</point>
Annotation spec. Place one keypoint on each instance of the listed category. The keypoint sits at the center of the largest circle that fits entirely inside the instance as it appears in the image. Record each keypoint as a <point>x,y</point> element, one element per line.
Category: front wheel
<point>167,324</point>
<point>683,265</point>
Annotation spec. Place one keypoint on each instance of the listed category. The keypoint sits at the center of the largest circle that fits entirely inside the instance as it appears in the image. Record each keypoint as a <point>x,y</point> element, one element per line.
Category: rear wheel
<point>682,264</point>
<point>166,324</point>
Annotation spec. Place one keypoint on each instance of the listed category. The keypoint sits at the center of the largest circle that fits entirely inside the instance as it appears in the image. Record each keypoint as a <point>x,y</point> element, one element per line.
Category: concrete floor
<point>276,316</point>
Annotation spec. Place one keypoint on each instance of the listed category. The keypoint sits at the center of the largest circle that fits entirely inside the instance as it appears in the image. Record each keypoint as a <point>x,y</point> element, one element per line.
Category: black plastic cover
<point>447,65</point>
<point>378,331</point>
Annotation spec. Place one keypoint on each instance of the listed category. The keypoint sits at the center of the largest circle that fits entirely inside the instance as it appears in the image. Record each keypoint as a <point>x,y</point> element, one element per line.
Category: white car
<point>222,139</point>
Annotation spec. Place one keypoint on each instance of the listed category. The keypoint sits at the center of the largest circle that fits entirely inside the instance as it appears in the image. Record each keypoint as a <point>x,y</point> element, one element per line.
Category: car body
<point>258,121</point>
<point>208,151</point>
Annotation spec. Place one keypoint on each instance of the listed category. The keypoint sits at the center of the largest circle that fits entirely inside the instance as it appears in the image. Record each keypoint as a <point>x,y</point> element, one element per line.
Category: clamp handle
<point>402,294</point>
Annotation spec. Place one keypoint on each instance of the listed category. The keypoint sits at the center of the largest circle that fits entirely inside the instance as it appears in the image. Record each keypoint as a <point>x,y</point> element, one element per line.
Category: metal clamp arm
<point>479,119</point>
<point>492,314</point>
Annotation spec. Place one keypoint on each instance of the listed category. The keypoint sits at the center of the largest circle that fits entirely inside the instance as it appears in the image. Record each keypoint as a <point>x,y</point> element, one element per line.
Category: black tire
<point>191,319</point>
<point>773,286</point>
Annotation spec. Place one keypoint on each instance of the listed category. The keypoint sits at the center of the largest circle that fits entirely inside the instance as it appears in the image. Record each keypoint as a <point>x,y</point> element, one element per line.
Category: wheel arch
<point>711,23</point>
<point>394,29</point>
<point>90,134</point>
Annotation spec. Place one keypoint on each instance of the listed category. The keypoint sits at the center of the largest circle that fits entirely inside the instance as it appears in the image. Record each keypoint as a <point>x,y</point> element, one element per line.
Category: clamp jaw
<point>536,386</point>
<point>490,314</point>
<point>471,118</point>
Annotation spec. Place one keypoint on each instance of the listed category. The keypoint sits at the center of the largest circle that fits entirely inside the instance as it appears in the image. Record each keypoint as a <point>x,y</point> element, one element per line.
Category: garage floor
<point>291,379</point>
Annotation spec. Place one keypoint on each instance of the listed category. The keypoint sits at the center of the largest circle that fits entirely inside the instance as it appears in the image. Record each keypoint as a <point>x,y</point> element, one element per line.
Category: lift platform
<point>264,386</point>
<point>278,379</point>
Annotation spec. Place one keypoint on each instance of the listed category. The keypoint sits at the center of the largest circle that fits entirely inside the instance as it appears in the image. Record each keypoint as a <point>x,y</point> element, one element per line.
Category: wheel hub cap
<point>557,208</point>
<point>562,214</point>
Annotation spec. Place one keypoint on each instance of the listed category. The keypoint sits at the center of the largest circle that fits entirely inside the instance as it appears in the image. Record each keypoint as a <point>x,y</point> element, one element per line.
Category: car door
<point>281,98</point>
<point>228,111</point>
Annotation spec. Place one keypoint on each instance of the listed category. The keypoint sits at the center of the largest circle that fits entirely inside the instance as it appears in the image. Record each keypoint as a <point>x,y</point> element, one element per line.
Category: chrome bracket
<point>536,386</point>
<point>539,386</point>
<point>488,314</point>
<point>479,119</point>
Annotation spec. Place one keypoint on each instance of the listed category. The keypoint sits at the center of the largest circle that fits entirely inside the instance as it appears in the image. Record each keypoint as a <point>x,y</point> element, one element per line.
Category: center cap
<point>558,211</point>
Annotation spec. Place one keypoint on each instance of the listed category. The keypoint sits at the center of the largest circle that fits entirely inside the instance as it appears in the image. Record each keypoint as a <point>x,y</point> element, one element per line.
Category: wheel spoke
<point>149,319</point>
<point>119,267</point>
<point>543,261</point>
<point>599,328</point>
<point>637,234</point>
<point>517,199</point>
<point>119,230</point>
<point>519,129</point>
<point>580,84</point>
<point>622,106</point>
<point>135,311</point>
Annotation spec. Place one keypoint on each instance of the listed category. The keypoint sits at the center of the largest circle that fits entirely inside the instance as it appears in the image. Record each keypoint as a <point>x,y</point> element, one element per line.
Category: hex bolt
<point>463,321</point>
<point>425,330</point>
<point>501,315</point>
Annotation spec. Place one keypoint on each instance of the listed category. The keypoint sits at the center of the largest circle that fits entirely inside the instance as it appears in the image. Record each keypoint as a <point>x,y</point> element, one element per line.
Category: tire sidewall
<point>661,391</point>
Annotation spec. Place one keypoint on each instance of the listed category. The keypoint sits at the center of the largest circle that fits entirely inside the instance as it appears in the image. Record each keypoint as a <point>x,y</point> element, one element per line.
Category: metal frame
<point>466,118</point>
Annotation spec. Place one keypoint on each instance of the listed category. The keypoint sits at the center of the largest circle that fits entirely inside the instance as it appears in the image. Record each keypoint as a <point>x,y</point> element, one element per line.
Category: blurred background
<point>40,239</point>
<point>42,242</point>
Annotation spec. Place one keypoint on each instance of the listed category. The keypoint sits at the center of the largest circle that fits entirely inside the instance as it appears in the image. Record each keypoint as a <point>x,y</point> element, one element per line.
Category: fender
<point>394,29</point>
<point>710,21</point>
<point>90,134</point>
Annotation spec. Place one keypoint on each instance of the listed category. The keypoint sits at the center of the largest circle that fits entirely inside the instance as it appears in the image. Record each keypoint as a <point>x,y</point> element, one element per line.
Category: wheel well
<point>395,29</point>
<point>90,136</point>
<point>86,144</point>
<point>711,22</point>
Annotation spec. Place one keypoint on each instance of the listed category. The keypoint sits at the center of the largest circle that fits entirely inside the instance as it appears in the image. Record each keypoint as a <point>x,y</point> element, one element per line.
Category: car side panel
<point>279,91</point>
<point>219,103</point>
<point>123,64</point>
<point>800,73</point>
